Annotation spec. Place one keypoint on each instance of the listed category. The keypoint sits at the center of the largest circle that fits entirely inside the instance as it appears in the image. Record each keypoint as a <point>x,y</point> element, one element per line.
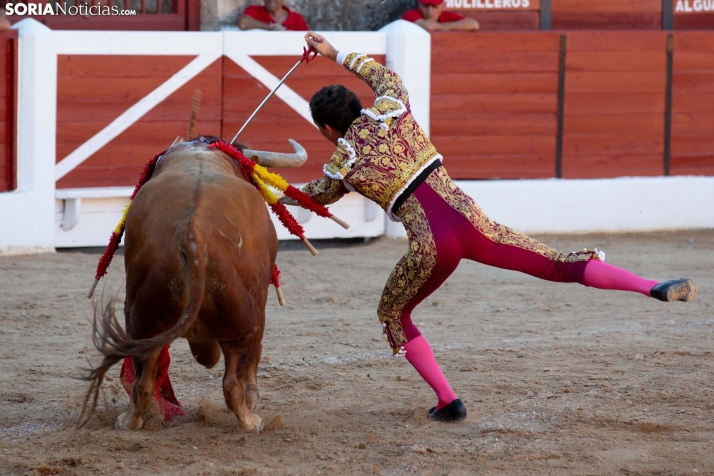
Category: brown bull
<point>199,253</point>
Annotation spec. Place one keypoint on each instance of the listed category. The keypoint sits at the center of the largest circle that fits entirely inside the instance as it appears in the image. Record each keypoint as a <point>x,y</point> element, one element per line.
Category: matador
<point>384,155</point>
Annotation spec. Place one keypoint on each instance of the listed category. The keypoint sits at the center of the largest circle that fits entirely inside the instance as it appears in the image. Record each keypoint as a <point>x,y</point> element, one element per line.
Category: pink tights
<point>419,354</point>
<point>456,238</point>
<point>601,275</point>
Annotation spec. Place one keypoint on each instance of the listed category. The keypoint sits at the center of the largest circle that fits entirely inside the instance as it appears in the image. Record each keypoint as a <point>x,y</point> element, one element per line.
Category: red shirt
<point>445,17</point>
<point>294,21</point>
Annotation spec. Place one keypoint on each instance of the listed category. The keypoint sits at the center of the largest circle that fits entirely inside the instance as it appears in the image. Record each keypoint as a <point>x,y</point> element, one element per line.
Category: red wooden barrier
<point>526,20</point>
<point>587,14</point>
<point>494,103</point>
<point>494,106</point>
<point>8,88</point>
<point>606,14</point>
<point>614,104</point>
<point>92,91</point>
<point>500,14</point>
<point>693,104</point>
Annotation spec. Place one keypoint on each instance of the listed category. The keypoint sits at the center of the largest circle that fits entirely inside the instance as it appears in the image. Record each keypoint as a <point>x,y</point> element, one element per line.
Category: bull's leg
<point>236,391</point>
<point>252,395</point>
<point>206,353</point>
<point>142,393</point>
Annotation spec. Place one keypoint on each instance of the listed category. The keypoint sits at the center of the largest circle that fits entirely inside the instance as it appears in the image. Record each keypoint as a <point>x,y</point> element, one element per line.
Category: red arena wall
<point>614,104</point>
<point>494,108</point>
<point>93,90</point>
<point>693,104</point>
<point>494,103</point>
<point>587,14</point>
<point>607,14</point>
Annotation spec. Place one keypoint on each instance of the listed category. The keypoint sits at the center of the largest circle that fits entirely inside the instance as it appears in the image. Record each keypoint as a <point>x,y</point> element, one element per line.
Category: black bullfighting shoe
<point>675,290</point>
<point>454,411</point>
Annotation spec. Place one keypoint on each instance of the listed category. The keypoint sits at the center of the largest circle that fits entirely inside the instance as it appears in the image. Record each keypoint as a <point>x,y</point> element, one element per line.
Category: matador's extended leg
<point>488,242</point>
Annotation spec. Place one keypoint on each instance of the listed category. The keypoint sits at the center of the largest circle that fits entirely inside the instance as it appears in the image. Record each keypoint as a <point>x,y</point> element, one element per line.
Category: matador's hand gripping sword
<point>307,56</point>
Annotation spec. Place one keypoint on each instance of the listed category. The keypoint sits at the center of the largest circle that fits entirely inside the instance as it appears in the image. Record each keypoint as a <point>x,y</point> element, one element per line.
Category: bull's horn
<point>278,159</point>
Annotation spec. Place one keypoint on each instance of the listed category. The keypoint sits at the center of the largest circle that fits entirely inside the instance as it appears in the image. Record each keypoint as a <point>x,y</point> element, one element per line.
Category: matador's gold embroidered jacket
<point>383,150</point>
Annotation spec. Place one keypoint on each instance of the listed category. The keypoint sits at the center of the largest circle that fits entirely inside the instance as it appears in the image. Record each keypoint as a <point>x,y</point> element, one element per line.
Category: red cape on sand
<point>168,403</point>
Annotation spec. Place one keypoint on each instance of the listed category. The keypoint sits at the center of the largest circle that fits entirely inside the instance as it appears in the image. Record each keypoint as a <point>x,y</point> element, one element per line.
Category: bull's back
<point>198,206</point>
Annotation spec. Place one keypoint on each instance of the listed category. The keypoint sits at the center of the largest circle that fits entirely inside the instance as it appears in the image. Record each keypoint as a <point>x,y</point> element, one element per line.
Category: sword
<point>307,56</point>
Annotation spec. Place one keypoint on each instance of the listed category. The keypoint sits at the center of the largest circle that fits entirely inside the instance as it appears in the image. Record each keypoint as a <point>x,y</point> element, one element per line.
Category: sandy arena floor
<point>558,379</point>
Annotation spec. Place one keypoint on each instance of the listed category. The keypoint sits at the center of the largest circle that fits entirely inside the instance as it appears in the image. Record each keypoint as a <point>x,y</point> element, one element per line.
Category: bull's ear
<point>241,146</point>
<point>278,159</point>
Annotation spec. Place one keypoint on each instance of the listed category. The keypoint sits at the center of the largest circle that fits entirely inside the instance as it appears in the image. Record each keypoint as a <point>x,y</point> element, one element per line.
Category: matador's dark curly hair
<point>335,106</point>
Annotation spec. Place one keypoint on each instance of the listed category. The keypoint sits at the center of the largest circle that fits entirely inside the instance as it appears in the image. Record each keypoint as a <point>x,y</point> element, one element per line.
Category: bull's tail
<point>115,344</point>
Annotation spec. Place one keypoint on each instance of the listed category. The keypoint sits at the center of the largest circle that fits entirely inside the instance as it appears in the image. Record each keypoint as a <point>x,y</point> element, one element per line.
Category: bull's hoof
<point>126,422</point>
<point>252,424</point>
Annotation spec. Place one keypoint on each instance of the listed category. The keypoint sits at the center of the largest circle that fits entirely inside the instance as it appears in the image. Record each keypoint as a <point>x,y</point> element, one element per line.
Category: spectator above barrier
<point>273,16</point>
<point>432,16</point>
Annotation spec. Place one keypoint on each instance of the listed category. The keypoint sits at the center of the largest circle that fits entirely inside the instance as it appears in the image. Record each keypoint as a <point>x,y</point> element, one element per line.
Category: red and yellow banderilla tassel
<point>115,239</point>
<point>282,213</point>
<point>305,200</point>
<point>261,177</point>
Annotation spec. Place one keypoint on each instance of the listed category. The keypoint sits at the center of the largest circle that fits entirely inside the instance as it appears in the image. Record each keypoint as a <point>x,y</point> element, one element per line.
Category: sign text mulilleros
<point>493,4</point>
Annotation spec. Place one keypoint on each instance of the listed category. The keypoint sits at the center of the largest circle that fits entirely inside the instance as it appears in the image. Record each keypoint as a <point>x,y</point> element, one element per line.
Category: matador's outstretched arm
<point>382,80</point>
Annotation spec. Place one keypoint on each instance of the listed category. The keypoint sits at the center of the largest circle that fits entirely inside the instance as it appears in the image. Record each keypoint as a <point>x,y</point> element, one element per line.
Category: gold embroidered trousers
<point>443,226</point>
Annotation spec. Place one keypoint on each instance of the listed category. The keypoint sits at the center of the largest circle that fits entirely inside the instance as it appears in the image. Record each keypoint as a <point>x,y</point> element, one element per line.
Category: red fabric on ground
<point>294,21</point>
<point>445,17</point>
<point>164,393</point>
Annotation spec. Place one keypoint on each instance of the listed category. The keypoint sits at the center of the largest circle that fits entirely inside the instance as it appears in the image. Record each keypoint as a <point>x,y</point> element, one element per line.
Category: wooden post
<point>545,14</point>
<point>667,14</point>
<point>561,104</point>
<point>193,15</point>
<point>668,106</point>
